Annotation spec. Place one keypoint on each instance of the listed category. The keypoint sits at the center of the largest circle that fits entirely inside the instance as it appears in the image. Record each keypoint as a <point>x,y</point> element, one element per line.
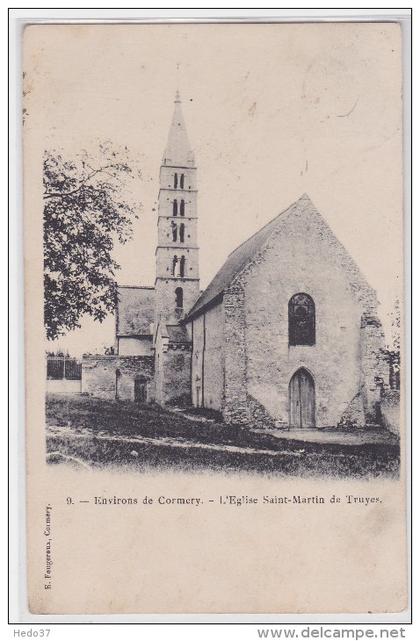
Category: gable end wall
<point>346,360</point>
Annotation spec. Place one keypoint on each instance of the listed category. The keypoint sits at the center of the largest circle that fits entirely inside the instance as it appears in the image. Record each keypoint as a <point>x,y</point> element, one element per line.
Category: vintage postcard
<point>214,312</point>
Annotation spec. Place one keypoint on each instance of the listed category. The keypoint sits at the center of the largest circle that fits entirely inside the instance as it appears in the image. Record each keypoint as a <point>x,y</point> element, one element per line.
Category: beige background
<point>272,111</point>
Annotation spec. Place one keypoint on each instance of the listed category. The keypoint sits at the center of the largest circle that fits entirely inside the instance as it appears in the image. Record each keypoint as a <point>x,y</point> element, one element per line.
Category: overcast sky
<point>272,111</point>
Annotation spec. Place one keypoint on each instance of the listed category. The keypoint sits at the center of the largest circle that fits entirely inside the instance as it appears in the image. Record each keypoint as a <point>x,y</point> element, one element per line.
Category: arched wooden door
<point>302,399</point>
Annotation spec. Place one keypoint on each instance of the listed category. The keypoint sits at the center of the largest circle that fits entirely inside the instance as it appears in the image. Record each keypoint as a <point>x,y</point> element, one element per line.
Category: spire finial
<point>177,96</point>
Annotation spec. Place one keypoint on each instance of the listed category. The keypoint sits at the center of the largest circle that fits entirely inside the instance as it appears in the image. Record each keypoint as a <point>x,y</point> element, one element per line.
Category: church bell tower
<point>177,278</point>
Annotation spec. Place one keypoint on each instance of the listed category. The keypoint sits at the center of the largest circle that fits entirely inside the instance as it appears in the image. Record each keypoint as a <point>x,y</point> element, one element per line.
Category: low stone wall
<point>390,411</point>
<point>235,406</point>
<point>114,376</point>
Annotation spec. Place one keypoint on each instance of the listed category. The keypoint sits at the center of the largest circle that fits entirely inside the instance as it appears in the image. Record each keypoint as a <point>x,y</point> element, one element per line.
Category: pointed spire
<point>178,152</point>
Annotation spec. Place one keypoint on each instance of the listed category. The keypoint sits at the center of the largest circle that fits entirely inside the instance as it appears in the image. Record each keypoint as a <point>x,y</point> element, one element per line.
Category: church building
<point>286,335</point>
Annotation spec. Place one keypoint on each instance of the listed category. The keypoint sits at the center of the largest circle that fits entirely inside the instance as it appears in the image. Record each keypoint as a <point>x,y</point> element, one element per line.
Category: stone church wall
<point>172,369</point>
<point>165,256</point>
<point>374,366</point>
<point>259,360</point>
<point>166,177</point>
<point>99,375</point>
<point>213,358</point>
<point>197,332</point>
<point>173,382</point>
<point>235,405</point>
<point>129,346</point>
<point>207,360</point>
<point>165,231</point>
<point>165,297</point>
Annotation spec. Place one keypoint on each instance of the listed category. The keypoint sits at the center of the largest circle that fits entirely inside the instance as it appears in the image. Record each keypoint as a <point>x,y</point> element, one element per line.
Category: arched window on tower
<point>175,207</point>
<point>179,298</point>
<point>174,264</point>
<point>182,266</point>
<point>181,233</point>
<point>174,231</point>
<point>301,320</point>
<point>175,181</point>
<point>182,208</point>
<point>181,181</point>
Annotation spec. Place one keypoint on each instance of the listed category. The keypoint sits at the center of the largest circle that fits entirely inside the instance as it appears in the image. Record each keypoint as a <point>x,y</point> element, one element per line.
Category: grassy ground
<point>120,432</point>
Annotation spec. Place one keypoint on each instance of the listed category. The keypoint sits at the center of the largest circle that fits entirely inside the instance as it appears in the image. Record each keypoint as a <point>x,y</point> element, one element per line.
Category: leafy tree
<point>86,212</point>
